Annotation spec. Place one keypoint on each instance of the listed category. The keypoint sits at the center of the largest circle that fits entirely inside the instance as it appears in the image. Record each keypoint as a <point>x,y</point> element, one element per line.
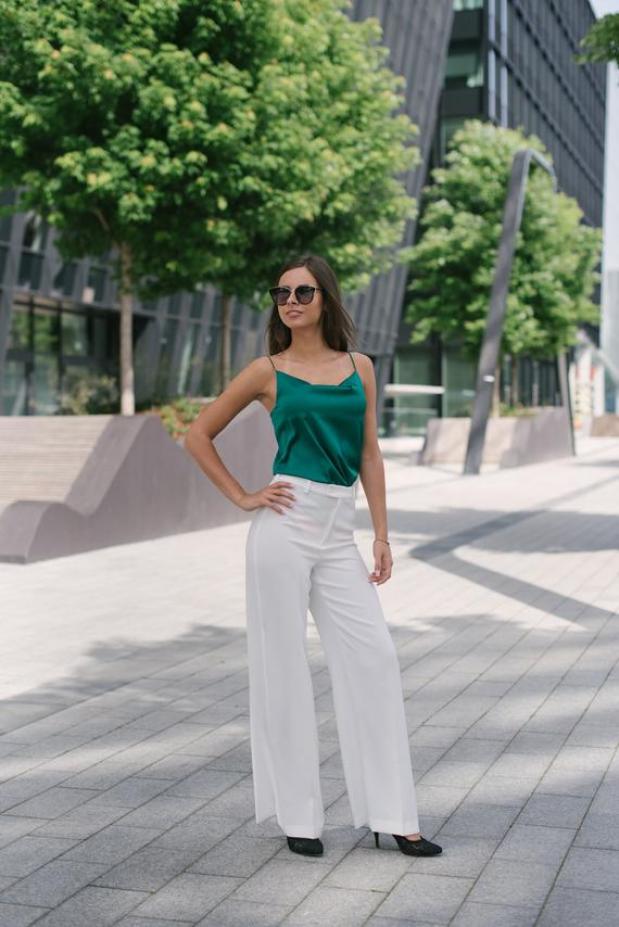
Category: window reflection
<point>464,68</point>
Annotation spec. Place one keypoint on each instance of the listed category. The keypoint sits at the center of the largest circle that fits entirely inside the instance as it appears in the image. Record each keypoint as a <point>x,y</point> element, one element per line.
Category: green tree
<point>201,143</point>
<point>553,271</point>
<point>601,43</point>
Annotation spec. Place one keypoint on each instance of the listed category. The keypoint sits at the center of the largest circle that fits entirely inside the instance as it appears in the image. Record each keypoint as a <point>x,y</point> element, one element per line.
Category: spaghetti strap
<point>272,364</point>
<point>353,360</point>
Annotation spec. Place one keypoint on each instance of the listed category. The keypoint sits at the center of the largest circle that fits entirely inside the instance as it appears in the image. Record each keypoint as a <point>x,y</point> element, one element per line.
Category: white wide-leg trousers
<point>306,558</point>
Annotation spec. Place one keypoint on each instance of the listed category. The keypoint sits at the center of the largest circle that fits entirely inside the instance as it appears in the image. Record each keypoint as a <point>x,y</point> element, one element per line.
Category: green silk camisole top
<point>319,427</point>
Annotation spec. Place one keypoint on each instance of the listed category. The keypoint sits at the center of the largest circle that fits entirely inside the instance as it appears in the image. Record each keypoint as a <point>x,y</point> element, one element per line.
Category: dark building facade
<point>512,62</point>
<point>58,319</point>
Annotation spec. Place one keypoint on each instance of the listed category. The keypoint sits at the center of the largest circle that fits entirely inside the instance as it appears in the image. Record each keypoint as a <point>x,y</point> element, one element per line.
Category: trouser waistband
<point>326,489</point>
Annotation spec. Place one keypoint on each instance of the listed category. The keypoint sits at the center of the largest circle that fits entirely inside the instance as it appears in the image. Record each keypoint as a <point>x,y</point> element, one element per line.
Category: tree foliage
<point>553,271</point>
<point>209,139</point>
<point>601,42</point>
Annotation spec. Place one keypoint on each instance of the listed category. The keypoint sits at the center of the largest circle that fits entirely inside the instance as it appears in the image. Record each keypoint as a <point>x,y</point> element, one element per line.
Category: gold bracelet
<point>383,541</point>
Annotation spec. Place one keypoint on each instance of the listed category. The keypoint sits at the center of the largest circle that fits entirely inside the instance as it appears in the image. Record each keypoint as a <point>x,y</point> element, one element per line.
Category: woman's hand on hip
<point>273,496</point>
<point>383,563</point>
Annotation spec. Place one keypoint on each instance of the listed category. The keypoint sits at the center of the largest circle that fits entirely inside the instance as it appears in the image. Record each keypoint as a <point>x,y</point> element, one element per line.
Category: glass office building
<point>511,62</point>
<point>56,319</point>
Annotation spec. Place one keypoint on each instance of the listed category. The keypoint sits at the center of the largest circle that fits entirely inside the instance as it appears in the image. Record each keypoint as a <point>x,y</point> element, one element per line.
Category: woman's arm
<point>248,385</point>
<point>372,474</point>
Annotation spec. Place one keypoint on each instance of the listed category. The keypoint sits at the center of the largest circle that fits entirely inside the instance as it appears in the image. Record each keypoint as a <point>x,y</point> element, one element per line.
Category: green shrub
<point>88,393</point>
<point>177,415</point>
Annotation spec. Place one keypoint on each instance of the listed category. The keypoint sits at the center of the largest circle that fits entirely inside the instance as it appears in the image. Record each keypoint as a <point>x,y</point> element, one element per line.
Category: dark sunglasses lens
<point>280,294</point>
<point>305,294</point>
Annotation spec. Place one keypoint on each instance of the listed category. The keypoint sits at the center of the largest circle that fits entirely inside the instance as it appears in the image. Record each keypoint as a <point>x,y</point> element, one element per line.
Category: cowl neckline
<point>307,382</point>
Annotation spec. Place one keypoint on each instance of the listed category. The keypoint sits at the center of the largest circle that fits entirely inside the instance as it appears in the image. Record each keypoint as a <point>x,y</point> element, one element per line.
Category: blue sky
<point>611,189</point>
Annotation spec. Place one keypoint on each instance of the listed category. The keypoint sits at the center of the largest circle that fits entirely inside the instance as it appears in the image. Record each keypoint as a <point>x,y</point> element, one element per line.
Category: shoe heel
<point>375,832</point>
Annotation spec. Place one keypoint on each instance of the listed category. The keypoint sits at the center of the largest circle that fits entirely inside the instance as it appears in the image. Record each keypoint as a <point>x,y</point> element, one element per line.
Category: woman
<point>301,555</point>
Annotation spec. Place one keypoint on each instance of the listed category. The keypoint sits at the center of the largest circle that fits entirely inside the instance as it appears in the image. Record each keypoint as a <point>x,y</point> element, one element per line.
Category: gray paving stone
<point>16,915</point>
<point>554,810</point>
<point>236,802</point>
<point>133,791</point>
<point>131,921</point>
<point>376,872</point>
<point>590,734</point>
<point>187,897</point>
<point>397,922</point>
<point>12,827</point>
<point>205,784</point>
<point>49,885</point>
<point>26,854</point>
<point>427,735</point>
<point>474,750</point>
<point>236,855</point>
<point>581,783</point>
<point>162,811</point>
<point>439,800</point>
<point>569,907</point>
<point>283,881</point>
<point>462,856</point>
<point>146,870</point>
<point>511,681</point>
<point>175,766</point>
<point>590,868</point>
<point>431,898</point>
<point>95,907</point>
<point>112,844</point>
<point>346,907</point>
<point>53,802</point>
<point>502,790</point>
<point>476,820</point>
<point>513,882</point>
<point>599,830</point>
<point>472,914</point>
<point>535,843</point>
<point>82,821</point>
<point>535,743</point>
<point>459,774</point>
<point>105,774</point>
<point>520,765</point>
<point>606,799</point>
<point>234,913</point>
<point>198,832</point>
<point>25,784</point>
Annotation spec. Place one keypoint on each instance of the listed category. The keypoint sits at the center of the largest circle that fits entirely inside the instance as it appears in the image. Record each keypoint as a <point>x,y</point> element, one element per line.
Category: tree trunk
<point>127,395</point>
<point>496,392</point>
<point>514,386</point>
<point>225,342</point>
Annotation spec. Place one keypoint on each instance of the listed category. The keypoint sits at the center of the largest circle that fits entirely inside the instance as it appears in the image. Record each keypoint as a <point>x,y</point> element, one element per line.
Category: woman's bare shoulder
<point>364,361</point>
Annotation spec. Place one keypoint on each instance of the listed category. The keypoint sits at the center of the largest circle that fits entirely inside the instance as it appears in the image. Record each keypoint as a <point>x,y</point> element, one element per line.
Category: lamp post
<point>512,215</point>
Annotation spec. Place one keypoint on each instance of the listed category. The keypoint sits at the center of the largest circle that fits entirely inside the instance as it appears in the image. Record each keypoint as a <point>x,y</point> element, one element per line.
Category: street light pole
<point>512,216</point>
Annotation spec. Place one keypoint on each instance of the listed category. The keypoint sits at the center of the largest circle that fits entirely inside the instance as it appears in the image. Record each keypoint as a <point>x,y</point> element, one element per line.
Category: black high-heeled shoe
<point>308,846</point>
<point>418,847</point>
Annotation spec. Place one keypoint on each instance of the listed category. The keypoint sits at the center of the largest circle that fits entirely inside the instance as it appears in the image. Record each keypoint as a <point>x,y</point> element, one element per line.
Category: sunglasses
<point>304,294</point>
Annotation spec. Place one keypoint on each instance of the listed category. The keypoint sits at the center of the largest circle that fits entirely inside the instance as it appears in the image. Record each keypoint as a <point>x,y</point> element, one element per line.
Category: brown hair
<point>338,328</point>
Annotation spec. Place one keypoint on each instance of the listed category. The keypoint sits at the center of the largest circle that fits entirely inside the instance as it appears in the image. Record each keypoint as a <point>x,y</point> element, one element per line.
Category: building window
<point>189,358</point>
<point>35,233</point>
<point>96,282</point>
<point>167,343</point>
<point>175,304</point>
<point>449,125</point>
<point>74,330</point>
<point>197,305</point>
<point>464,67</point>
<point>468,5</point>
<point>64,280</point>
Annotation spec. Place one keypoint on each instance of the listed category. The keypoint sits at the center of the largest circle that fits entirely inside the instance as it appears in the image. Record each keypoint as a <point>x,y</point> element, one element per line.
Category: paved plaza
<point>125,771</point>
